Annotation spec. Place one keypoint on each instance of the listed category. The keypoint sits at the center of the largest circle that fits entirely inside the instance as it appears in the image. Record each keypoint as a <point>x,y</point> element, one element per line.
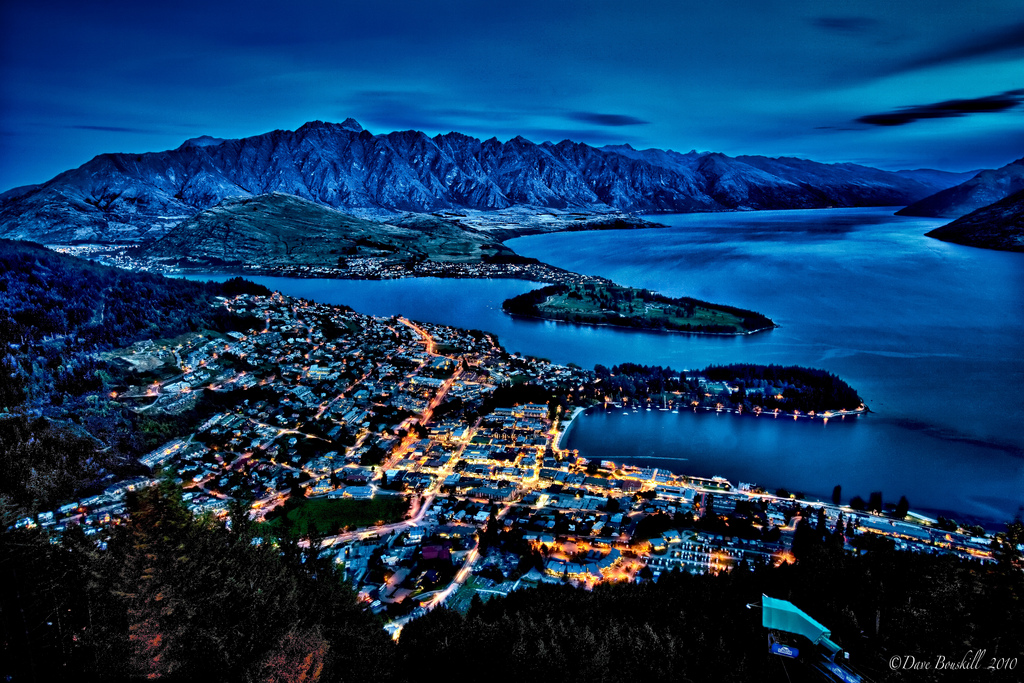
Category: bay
<point>929,333</point>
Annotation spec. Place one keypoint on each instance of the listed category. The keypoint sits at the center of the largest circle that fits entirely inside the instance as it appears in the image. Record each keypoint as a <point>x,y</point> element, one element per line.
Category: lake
<point>929,333</point>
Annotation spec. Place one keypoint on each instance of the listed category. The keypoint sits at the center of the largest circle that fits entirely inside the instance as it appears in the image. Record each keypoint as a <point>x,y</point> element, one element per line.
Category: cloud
<point>1009,39</point>
<point>605,119</point>
<point>591,136</point>
<point>945,110</point>
<point>414,110</point>
<point>847,25</point>
<point>115,129</point>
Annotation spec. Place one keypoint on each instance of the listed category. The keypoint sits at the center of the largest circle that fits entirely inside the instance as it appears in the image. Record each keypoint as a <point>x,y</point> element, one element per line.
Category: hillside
<point>998,226</point>
<point>275,230</point>
<point>59,430</point>
<point>983,189</point>
<point>123,198</point>
<point>47,297</point>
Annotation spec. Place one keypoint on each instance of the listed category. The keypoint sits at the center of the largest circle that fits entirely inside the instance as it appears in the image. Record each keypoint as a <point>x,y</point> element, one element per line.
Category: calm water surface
<point>929,333</point>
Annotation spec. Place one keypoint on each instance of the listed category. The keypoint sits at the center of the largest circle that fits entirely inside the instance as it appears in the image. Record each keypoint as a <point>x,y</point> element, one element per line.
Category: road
<point>377,530</point>
<point>464,572</point>
<point>438,598</point>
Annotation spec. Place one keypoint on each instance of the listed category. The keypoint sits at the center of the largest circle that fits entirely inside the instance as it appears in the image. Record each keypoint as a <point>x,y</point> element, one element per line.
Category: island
<point>604,303</point>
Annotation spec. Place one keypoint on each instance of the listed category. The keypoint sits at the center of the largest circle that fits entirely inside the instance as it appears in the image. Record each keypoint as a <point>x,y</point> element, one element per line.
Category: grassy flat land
<point>606,304</point>
<point>274,230</point>
<point>327,516</point>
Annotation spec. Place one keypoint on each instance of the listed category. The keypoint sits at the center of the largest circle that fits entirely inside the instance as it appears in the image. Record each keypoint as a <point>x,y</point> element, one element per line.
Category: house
<point>359,492</point>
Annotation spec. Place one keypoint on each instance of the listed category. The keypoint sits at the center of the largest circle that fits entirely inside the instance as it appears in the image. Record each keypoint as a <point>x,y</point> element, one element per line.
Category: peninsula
<point>603,303</point>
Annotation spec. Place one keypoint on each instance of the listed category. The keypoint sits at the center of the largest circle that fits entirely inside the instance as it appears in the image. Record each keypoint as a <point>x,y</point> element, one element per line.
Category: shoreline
<point>825,415</point>
<point>746,333</point>
<point>542,273</point>
<point>565,430</point>
<point>678,467</point>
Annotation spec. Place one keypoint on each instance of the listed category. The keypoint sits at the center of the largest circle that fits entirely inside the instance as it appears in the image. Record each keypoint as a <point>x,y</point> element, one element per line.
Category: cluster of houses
<point>91,512</point>
<point>335,404</point>
<point>387,268</point>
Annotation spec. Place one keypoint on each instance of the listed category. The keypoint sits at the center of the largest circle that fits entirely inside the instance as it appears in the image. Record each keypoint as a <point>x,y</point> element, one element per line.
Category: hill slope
<point>283,230</point>
<point>982,190</point>
<point>56,313</point>
<point>998,226</point>
<point>136,197</point>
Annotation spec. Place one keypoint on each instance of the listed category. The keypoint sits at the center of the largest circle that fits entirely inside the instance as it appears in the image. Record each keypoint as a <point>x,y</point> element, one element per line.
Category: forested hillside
<point>179,598</point>
<point>46,296</point>
<point>699,628</point>
<point>787,388</point>
<point>59,430</point>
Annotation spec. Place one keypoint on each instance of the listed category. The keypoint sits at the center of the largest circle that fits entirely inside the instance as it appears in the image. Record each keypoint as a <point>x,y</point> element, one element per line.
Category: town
<point>353,268</point>
<point>413,455</point>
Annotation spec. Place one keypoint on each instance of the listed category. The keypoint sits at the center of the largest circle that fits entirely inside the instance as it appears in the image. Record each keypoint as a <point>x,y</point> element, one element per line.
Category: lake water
<point>929,333</point>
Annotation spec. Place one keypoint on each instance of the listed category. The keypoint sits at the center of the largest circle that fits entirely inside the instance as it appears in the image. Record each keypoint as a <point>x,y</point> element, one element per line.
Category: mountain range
<point>983,189</point>
<point>125,198</point>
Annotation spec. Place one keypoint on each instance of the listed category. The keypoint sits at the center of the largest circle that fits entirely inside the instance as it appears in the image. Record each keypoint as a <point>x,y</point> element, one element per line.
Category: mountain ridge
<point>983,189</point>
<point>997,226</point>
<point>125,198</point>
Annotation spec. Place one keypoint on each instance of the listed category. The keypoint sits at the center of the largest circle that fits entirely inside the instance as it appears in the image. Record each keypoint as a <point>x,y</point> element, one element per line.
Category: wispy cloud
<point>945,110</point>
<point>406,109</point>
<point>605,119</point>
<point>995,43</point>
<point>115,129</point>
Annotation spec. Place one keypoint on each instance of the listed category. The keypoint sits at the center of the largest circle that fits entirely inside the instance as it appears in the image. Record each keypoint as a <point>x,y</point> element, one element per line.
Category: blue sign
<point>785,650</point>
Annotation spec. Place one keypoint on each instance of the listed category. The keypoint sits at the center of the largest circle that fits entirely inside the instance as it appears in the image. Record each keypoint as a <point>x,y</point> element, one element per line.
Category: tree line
<point>614,297</point>
<point>177,597</point>
<point>60,432</point>
<point>800,388</point>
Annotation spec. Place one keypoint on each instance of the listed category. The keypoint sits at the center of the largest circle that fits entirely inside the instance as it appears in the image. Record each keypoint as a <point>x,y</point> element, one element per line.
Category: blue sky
<point>894,84</point>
